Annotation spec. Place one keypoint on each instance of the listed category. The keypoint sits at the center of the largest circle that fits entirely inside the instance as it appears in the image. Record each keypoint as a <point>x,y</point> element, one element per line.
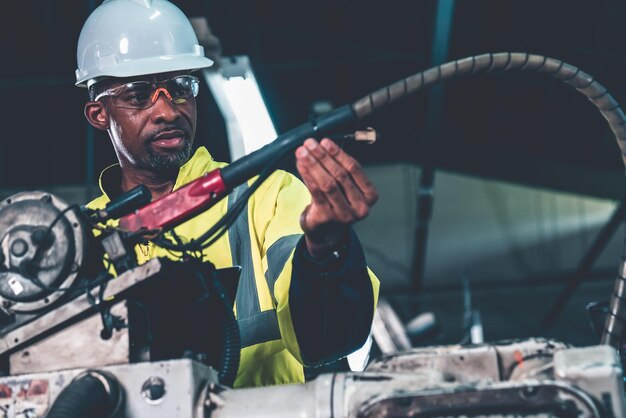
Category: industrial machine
<point>118,351</point>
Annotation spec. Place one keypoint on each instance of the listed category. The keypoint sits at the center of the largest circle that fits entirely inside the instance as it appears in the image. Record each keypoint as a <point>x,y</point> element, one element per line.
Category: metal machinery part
<point>537,378</point>
<point>531,378</point>
<point>175,388</point>
<point>64,334</point>
<point>24,222</point>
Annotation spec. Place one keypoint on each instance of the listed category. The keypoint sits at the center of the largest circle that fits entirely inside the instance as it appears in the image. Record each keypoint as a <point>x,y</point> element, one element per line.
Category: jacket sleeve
<point>324,311</point>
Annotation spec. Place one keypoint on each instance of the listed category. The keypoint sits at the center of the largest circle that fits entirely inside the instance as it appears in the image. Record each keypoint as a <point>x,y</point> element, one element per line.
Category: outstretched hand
<point>341,194</point>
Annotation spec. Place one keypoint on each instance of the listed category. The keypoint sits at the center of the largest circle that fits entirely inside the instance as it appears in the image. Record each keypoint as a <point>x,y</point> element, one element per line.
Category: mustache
<point>168,128</point>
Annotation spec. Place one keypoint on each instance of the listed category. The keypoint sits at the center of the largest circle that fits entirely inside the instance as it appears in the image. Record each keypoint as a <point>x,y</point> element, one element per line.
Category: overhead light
<point>237,94</point>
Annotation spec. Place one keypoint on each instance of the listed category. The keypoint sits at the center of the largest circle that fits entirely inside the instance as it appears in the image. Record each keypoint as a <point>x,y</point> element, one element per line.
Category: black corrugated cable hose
<point>231,351</point>
<point>92,394</point>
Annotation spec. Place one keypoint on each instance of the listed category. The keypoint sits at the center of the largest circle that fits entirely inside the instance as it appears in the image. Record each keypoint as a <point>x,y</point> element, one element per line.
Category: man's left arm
<point>332,302</point>
<point>325,295</point>
<point>330,275</point>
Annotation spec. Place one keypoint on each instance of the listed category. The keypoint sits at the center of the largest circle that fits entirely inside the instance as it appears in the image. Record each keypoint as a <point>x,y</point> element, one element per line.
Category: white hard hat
<point>126,38</point>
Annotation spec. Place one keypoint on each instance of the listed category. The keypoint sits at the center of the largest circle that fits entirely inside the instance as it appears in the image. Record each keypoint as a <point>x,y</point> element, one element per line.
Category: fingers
<point>335,178</point>
<point>336,175</point>
<point>353,167</point>
<point>325,192</point>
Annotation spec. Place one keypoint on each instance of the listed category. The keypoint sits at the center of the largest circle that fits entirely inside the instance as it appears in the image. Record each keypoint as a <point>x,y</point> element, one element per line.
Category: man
<point>305,295</point>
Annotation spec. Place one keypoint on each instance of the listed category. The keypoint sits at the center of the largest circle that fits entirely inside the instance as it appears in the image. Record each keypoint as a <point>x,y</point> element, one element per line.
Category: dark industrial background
<point>526,130</point>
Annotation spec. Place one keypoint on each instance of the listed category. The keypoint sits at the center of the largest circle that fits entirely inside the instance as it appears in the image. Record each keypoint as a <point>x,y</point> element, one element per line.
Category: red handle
<point>178,206</point>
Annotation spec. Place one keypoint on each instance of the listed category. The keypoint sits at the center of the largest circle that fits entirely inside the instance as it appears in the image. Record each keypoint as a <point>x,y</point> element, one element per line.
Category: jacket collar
<point>200,162</point>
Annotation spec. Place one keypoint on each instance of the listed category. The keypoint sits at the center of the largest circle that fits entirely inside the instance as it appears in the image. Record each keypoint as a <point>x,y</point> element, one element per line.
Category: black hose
<point>253,163</point>
<point>231,348</point>
<point>91,395</point>
<point>502,62</point>
<point>523,62</point>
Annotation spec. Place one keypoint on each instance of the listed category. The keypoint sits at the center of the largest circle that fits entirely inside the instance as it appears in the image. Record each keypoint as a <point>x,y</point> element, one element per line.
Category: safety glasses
<point>144,94</point>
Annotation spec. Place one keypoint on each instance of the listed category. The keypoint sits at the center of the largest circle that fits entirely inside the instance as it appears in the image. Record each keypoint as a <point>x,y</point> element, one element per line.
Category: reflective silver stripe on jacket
<point>277,256</point>
<point>255,326</point>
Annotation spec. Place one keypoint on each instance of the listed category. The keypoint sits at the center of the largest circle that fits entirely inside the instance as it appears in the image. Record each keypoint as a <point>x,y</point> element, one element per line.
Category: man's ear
<point>97,115</point>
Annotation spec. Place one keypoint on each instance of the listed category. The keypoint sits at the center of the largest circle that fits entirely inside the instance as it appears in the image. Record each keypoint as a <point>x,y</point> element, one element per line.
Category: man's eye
<point>179,91</point>
<point>136,97</point>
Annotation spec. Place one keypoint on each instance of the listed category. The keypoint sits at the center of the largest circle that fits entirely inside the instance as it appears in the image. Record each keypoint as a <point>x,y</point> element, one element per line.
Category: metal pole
<point>586,263</point>
<point>425,193</point>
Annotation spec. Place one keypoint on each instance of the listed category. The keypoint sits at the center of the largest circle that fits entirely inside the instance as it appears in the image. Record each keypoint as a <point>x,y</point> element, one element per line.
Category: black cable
<point>209,237</point>
<point>93,394</point>
<point>41,245</point>
<point>101,279</point>
<point>231,345</point>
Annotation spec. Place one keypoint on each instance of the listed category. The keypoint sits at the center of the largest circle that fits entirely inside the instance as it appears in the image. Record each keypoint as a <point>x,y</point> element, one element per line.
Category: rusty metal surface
<point>428,392</point>
<point>465,364</point>
<point>456,363</point>
<point>77,346</point>
<point>535,399</point>
<point>520,357</point>
<point>74,309</point>
<point>595,370</point>
<point>183,384</point>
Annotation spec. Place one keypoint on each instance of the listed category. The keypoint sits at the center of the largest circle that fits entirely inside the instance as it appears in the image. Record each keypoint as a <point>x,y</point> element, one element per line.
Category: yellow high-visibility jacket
<point>262,242</point>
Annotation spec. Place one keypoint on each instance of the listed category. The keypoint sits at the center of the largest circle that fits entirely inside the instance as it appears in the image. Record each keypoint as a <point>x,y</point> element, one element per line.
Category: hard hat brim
<point>153,65</point>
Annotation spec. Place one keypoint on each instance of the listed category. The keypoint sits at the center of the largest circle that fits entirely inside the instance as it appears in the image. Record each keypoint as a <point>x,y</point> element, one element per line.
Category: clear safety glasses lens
<point>144,94</point>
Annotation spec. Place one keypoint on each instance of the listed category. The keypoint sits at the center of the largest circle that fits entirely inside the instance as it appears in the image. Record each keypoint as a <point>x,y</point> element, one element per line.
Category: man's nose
<point>163,108</point>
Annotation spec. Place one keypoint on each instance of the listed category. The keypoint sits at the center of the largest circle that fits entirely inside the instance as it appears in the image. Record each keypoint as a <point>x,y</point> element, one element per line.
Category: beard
<point>167,161</point>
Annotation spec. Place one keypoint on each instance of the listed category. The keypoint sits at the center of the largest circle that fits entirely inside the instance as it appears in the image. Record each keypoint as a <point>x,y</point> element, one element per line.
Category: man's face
<point>157,139</point>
